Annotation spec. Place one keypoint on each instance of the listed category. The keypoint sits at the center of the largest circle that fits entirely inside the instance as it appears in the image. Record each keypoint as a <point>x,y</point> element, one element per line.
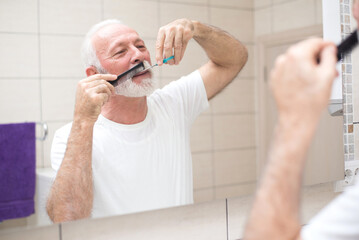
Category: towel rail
<point>45,131</point>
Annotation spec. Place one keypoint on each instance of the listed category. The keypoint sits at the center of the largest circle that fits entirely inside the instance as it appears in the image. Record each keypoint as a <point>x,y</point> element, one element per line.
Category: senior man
<point>301,87</point>
<point>128,150</point>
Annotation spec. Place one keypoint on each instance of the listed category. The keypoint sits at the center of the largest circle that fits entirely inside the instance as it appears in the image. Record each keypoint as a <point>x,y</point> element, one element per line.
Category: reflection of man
<point>126,153</point>
<point>301,88</point>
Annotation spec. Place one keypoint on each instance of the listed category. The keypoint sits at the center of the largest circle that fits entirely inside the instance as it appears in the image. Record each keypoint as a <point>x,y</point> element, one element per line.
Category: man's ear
<point>91,71</point>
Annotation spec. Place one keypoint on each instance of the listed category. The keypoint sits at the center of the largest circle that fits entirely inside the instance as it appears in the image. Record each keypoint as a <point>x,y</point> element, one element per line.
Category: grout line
<point>224,150</point>
<point>40,78</point>
<point>15,33</point>
<point>60,231</point>
<point>227,223</point>
<point>209,15</point>
<point>226,185</point>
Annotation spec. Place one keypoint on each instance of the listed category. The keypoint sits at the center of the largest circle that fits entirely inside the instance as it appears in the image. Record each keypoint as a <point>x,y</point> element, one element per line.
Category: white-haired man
<point>128,151</point>
<point>301,87</point>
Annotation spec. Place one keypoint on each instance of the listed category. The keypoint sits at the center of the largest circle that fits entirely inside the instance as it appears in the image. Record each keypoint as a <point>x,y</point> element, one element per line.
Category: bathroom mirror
<point>41,65</point>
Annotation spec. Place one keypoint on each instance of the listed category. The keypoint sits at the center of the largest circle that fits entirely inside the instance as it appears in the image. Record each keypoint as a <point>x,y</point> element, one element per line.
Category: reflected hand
<point>172,39</point>
<point>92,93</point>
<point>301,86</point>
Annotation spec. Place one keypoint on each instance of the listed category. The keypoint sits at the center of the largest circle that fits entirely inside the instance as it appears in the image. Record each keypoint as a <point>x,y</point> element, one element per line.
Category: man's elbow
<point>242,57</point>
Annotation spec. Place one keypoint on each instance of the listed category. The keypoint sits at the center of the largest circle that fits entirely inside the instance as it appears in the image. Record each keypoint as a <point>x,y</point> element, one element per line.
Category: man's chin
<point>136,87</point>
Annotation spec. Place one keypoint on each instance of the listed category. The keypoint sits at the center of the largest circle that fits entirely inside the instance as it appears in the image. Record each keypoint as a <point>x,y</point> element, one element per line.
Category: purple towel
<point>17,170</point>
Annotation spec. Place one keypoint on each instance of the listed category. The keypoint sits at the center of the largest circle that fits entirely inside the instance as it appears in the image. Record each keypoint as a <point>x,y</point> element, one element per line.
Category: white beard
<point>129,88</point>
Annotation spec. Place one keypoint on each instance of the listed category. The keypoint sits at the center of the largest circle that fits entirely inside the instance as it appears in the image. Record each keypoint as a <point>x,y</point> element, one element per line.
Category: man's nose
<point>137,56</point>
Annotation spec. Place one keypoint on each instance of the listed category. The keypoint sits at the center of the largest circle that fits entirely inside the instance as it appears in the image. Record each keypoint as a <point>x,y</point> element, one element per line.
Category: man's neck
<point>125,110</point>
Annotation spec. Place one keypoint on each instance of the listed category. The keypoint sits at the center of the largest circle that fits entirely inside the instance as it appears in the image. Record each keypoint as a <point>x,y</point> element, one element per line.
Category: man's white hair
<point>88,52</point>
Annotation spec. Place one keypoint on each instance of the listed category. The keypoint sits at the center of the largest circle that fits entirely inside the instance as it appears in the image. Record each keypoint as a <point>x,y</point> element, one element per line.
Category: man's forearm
<point>71,195</point>
<point>221,48</point>
<point>275,214</point>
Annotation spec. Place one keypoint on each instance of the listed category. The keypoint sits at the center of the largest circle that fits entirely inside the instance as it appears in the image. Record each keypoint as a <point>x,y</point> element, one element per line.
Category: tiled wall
<point>40,65</point>
<point>273,16</point>
<point>347,76</point>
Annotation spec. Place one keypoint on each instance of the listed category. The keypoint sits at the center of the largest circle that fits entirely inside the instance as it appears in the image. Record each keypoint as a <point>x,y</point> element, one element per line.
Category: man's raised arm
<point>301,88</point>
<point>227,56</point>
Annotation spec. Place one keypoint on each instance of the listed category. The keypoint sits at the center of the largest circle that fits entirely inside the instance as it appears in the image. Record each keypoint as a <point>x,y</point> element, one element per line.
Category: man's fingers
<point>107,77</point>
<point>168,45</point>
<point>328,60</point>
<point>159,46</point>
<point>310,48</point>
<point>178,45</point>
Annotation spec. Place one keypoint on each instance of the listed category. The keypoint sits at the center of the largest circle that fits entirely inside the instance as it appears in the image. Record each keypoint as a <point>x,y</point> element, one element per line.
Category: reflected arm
<point>71,195</point>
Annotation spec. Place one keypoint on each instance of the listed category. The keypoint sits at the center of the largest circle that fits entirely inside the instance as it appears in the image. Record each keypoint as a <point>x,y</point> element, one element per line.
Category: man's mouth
<point>141,73</point>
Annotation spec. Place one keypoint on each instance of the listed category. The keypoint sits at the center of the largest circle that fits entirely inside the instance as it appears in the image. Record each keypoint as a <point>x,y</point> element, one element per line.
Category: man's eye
<point>141,46</point>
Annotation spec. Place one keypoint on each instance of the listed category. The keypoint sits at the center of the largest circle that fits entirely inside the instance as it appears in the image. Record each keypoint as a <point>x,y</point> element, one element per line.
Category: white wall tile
<point>203,195</point>
<point>237,97</point>
<point>233,131</point>
<point>173,11</point>
<point>235,190</point>
<point>61,57</point>
<point>201,134</point>
<point>200,221</point>
<point>20,100</point>
<point>202,2</point>
<point>262,3</point>
<point>291,15</point>
<point>248,69</point>
<point>318,11</point>
<point>239,23</point>
<point>138,14</point>
<point>53,127</point>
<point>202,170</point>
<point>19,55</point>
<point>67,16</point>
<point>233,167</point>
<point>275,2</point>
<point>36,233</point>
<point>18,16</point>
<point>263,21</point>
<point>39,154</point>
<point>58,99</point>
<point>193,59</point>
<point>247,4</point>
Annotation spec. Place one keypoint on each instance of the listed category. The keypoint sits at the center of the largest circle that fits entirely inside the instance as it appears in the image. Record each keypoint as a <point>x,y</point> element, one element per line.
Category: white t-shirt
<point>147,165</point>
<point>339,220</point>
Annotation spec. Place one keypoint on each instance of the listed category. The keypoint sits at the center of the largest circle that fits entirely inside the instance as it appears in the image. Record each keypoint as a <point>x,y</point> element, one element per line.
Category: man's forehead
<point>115,30</point>
<point>113,35</point>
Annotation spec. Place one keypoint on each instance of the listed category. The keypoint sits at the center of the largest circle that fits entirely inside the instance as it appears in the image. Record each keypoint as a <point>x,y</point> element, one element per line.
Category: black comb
<point>128,74</point>
<point>347,45</point>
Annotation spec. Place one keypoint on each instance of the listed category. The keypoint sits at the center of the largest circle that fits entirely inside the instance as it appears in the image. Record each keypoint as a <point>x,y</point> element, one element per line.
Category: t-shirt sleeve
<point>190,93</point>
<point>58,147</point>
<point>337,221</point>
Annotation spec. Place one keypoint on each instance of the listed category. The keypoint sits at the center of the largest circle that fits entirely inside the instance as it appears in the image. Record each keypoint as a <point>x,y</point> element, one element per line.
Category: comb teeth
<point>129,74</point>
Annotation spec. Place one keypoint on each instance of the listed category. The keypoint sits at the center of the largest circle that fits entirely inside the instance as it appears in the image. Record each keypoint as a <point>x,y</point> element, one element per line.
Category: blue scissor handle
<point>167,59</point>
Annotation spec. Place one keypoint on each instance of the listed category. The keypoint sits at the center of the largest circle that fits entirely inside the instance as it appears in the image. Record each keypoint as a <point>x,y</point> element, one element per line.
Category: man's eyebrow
<point>139,40</point>
<point>115,44</point>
